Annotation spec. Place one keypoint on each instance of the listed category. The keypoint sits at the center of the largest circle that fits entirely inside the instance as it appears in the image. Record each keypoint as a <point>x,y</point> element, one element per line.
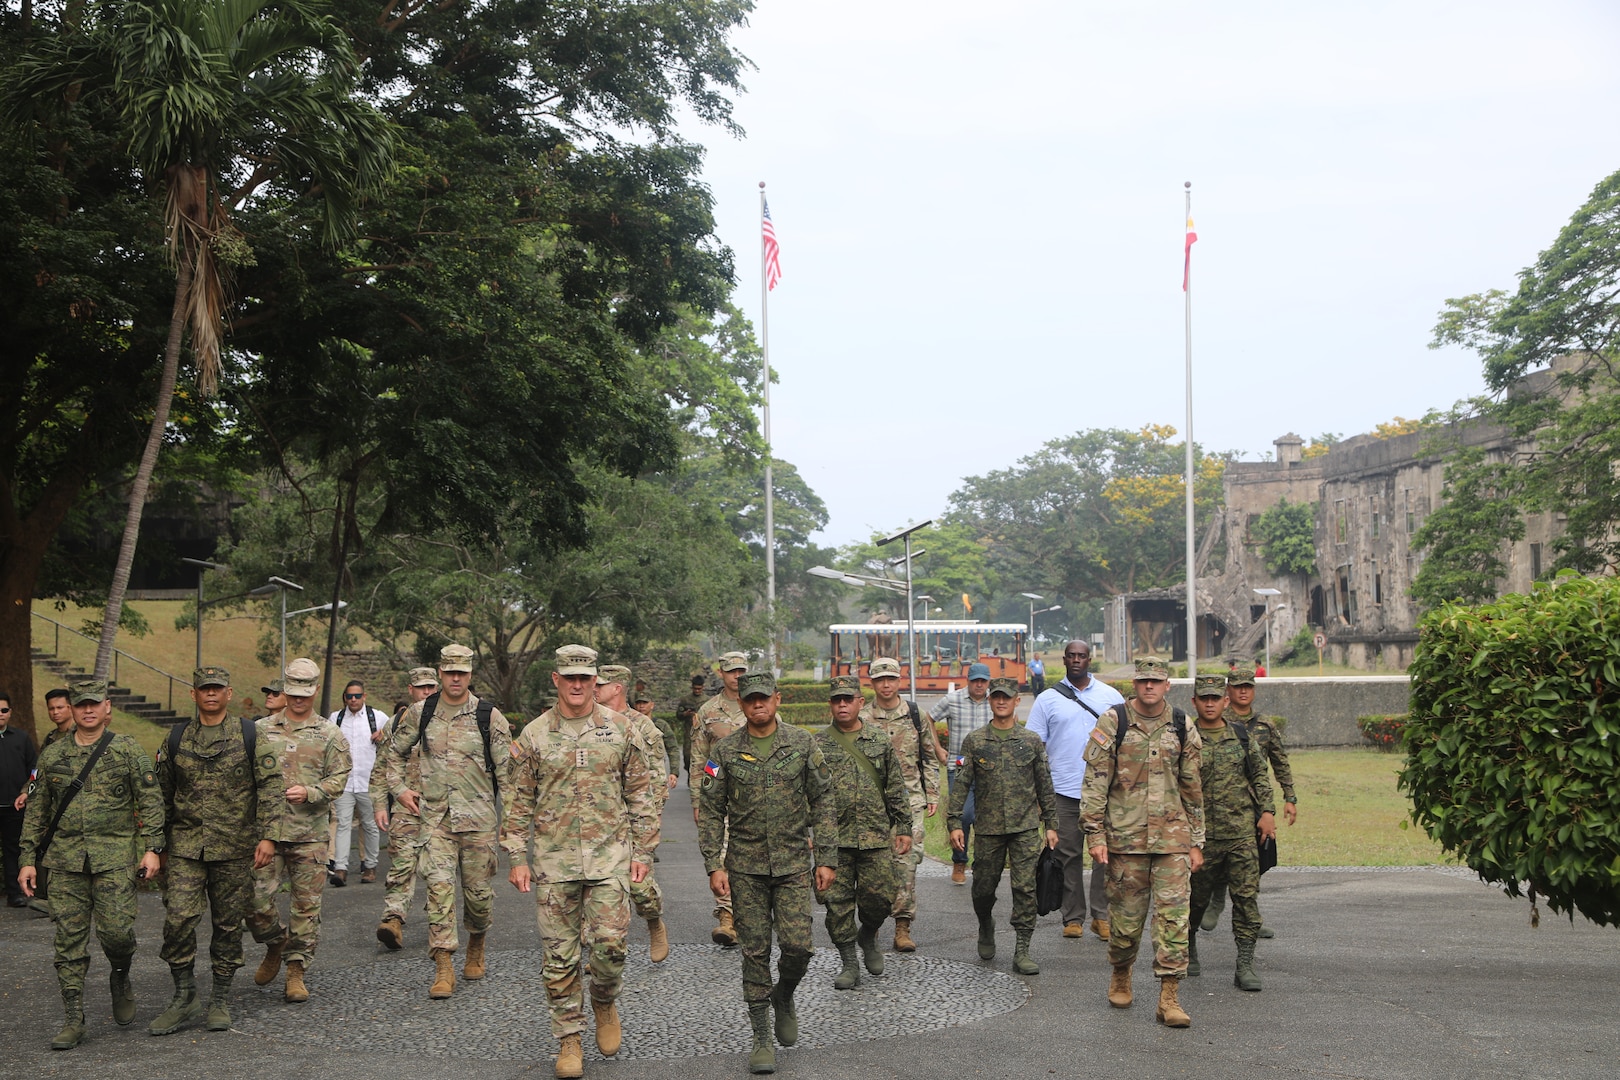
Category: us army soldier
<point>917,748</point>
<point>582,794</point>
<point>874,820</point>
<point>313,759</point>
<point>1004,768</point>
<point>716,718</point>
<point>768,784</point>
<point>94,852</point>
<point>407,843</point>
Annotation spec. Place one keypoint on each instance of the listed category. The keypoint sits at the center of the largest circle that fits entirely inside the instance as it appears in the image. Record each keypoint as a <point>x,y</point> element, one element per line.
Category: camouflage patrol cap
<point>844,686</point>
<point>733,661</point>
<point>885,667</point>
<point>1241,675</point>
<point>756,684</point>
<point>576,660</point>
<point>455,657</point>
<point>1152,669</point>
<point>613,673</point>
<point>274,686</point>
<point>301,678</point>
<point>210,676</point>
<point>87,691</point>
<point>423,676</point>
<point>1004,687</point>
<point>1209,686</point>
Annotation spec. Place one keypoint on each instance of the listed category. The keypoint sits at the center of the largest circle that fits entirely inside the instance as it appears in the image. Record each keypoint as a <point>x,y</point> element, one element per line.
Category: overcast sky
<point>980,212</point>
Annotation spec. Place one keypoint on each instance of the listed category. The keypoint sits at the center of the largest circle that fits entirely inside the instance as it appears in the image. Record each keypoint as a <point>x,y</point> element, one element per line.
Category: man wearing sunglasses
<point>364,727</point>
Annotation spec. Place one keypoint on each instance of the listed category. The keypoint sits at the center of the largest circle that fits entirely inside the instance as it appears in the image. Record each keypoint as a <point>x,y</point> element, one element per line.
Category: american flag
<point>773,253</point>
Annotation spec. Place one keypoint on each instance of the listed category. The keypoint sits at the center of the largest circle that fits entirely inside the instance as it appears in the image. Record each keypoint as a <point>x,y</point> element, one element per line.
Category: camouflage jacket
<point>653,744</point>
<point>778,809</point>
<point>1150,801</point>
<point>219,804</point>
<point>922,776</point>
<point>314,754</point>
<point>456,785</point>
<point>1263,730</point>
<point>716,718</point>
<point>1011,783</point>
<point>1230,804</point>
<point>686,711</point>
<point>870,814</point>
<point>586,800</point>
<point>378,788</point>
<point>115,818</point>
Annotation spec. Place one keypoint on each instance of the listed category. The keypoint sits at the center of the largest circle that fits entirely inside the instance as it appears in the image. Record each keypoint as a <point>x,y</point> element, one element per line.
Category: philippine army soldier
<point>716,718</point>
<point>275,697</point>
<point>658,743</point>
<point>94,807</point>
<point>917,748</point>
<point>465,749</point>
<point>686,715</point>
<point>406,841</point>
<point>312,757</point>
<point>1004,769</point>
<point>1236,790</point>
<point>219,794</point>
<point>582,793</point>
<point>874,821</point>
<point>1142,811</point>
<point>769,784</point>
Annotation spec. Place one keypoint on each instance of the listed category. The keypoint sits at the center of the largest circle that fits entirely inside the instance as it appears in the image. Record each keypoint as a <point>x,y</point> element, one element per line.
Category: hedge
<point>1382,732</point>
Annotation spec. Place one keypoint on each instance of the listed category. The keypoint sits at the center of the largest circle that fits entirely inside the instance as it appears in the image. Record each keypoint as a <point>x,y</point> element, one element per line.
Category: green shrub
<point>1513,759</point>
<point>1382,732</point>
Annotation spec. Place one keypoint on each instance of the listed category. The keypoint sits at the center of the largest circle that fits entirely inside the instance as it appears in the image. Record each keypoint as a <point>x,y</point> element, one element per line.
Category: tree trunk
<point>143,474</point>
<point>345,514</point>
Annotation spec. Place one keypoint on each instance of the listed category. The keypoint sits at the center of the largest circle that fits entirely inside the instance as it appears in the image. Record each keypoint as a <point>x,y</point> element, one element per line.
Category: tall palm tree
<point>220,98</point>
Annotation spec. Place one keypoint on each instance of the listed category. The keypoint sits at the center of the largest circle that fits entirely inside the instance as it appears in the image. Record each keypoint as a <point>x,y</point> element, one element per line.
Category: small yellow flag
<point>967,604</point>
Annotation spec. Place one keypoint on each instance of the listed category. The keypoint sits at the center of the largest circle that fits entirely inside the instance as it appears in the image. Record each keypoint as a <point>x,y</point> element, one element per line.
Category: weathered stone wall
<point>1320,712</point>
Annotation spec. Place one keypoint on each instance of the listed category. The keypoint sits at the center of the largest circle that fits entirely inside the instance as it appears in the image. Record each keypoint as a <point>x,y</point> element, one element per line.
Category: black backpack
<point>1178,720</point>
<point>371,718</point>
<point>485,707</point>
<point>250,738</point>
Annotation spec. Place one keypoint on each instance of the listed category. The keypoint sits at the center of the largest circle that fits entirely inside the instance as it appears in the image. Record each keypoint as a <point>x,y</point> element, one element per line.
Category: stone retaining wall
<point>1320,712</point>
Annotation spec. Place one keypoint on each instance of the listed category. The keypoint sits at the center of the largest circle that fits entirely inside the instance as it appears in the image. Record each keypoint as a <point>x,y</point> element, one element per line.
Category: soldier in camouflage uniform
<point>658,742</point>
<point>407,843</point>
<point>95,856</point>
<point>768,784</point>
<point>459,804</point>
<point>1233,777</point>
<point>584,795</point>
<point>874,823</point>
<point>686,717</point>
<point>1004,769</point>
<point>1142,811</point>
<point>219,795</point>
<point>718,717</point>
<point>916,745</point>
<point>313,759</point>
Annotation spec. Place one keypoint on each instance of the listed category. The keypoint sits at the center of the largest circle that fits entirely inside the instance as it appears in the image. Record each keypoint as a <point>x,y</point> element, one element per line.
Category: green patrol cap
<point>756,684</point>
<point>884,667</point>
<point>613,673</point>
<point>274,686</point>
<point>87,691</point>
<point>1209,686</point>
<point>455,657</point>
<point>210,676</point>
<point>844,686</point>
<point>1152,669</point>
<point>301,678</point>
<point>733,661</point>
<point>424,676</point>
<point>1004,687</point>
<point>1242,675</point>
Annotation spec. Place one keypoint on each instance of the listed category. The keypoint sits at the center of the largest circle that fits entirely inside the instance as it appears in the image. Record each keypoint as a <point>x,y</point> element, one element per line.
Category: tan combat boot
<point>391,932</point>
<point>296,990</point>
<point>902,936</point>
<point>1119,987</point>
<point>1170,1012</point>
<point>473,966</point>
<point>608,1032</point>
<point>570,1057</point>
<point>444,974</point>
<point>724,932</point>
<point>658,941</point>
<point>1100,928</point>
<point>270,966</point>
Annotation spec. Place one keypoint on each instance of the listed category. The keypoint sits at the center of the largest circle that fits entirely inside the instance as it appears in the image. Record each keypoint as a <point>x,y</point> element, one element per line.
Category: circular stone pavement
<point>689,1005</point>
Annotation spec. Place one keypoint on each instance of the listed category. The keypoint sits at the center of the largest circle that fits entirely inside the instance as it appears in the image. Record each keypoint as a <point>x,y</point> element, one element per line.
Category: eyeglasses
<point>353,697</point>
<point>4,711</point>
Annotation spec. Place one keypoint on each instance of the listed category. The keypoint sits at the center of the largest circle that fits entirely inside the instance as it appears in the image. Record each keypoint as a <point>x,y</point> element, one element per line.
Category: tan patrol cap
<point>613,673</point>
<point>883,667</point>
<point>733,661</point>
<point>301,678</point>
<point>1152,669</point>
<point>423,676</point>
<point>456,658</point>
<point>576,660</point>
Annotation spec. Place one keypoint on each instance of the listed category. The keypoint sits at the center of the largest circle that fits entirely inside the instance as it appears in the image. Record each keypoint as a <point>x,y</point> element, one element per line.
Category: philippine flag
<point>712,769</point>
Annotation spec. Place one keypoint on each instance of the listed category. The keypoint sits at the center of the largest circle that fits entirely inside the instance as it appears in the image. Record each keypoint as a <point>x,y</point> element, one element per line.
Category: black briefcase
<point>1048,882</point>
<point>1268,851</point>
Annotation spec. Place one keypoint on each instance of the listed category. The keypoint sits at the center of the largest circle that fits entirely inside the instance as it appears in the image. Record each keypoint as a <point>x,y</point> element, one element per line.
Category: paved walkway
<point>1418,973</point>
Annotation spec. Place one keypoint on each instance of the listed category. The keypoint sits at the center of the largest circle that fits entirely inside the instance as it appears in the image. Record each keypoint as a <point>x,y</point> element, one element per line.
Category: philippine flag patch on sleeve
<point>711,769</point>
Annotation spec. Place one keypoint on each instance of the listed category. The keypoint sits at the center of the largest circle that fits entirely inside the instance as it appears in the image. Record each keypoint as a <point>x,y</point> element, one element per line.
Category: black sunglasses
<point>349,696</point>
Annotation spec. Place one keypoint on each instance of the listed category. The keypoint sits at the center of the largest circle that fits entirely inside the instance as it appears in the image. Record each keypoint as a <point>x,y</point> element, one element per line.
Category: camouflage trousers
<point>108,900</point>
<point>1233,865</point>
<point>1134,881</point>
<point>407,845</point>
<point>223,888</point>
<point>472,856</point>
<point>723,903</point>
<point>587,920</point>
<point>905,867</point>
<point>647,899</point>
<point>761,904</point>
<point>865,884</point>
<point>991,852</point>
<point>304,868</point>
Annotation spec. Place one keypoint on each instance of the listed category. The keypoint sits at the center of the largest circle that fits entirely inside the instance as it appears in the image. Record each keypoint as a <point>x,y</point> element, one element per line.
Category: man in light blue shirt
<point>1064,717</point>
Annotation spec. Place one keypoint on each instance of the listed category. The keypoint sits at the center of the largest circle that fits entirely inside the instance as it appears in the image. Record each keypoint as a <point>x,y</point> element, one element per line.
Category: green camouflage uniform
<point>314,754</point>
<point>781,823</point>
<point>645,897</point>
<point>407,841</point>
<point>1014,804</point>
<point>873,808</point>
<point>921,769</point>
<point>109,825</point>
<point>1264,733</point>
<point>1231,858</point>
<point>716,718</point>
<point>219,806</point>
<point>583,793</point>
<point>1148,807</point>
<point>459,813</point>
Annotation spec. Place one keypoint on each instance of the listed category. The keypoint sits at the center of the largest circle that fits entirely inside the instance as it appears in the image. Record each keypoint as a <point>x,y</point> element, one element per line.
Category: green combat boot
<point>987,930</point>
<point>1212,913</point>
<point>219,1010</point>
<point>1245,978</point>
<point>73,1022</point>
<point>183,1007</point>
<point>1193,968</point>
<point>870,953</point>
<point>787,1016</point>
<point>763,1057</point>
<point>1022,962</point>
<point>850,976</point>
<point>123,995</point>
<point>1266,932</point>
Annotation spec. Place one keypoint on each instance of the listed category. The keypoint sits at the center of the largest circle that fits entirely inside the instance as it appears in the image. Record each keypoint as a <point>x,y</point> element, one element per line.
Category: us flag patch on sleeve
<point>1098,737</point>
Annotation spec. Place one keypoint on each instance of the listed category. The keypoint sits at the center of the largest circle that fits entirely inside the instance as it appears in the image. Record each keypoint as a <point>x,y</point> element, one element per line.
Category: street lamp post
<point>285,615</point>
<point>1268,594</point>
<point>203,566</point>
<point>911,624</point>
<point>282,585</point>
<point>1032,597</point>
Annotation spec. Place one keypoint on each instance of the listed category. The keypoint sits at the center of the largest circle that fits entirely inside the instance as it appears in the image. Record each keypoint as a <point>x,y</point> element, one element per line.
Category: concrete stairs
<point>122,697</point>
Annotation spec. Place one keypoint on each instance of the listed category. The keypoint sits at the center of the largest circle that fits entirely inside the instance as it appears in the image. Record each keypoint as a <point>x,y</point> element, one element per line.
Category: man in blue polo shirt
<point>1064,716</point>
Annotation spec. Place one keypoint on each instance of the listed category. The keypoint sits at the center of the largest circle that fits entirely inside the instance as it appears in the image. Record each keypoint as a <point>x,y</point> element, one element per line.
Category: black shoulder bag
<point>67,796</point>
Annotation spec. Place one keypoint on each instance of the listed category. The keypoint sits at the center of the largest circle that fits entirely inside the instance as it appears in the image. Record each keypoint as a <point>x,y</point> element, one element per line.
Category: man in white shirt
<point>1064,717</point>
<point>364,727</point>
